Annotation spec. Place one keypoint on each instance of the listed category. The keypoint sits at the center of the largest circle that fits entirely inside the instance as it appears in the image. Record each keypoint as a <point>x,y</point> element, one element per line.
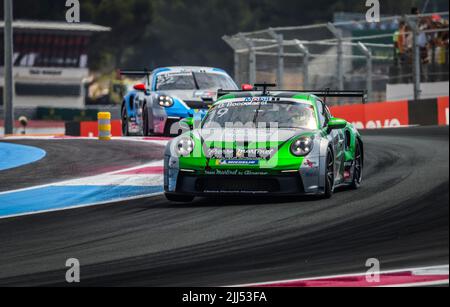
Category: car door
<point>332,136</point>
<point>338,139</point>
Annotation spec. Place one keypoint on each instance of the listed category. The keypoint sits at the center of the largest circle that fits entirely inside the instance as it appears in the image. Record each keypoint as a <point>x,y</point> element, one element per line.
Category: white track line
<point>83,206</point>
<point>88,179</point>
<point>435,270</point>
<point>112,178</point>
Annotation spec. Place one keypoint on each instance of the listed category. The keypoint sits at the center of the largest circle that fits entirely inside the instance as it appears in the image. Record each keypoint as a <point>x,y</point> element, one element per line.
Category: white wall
<point>395,92</point>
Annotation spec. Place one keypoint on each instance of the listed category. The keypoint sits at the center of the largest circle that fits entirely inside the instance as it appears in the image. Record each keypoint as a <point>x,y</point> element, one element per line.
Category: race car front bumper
<point>186,180</point>
<point>206,185</point>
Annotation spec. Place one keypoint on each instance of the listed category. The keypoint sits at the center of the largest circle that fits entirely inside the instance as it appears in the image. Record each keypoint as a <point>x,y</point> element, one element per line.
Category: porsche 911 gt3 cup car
<point>269,143</point>
<point>168,95</point>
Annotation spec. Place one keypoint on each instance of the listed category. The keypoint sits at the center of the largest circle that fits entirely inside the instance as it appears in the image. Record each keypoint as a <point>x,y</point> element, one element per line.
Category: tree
<point>128,20</point>
<point>149,33</point>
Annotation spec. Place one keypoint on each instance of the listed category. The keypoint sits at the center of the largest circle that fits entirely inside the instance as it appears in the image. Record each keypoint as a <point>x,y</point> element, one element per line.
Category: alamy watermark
<point>73,11</point>
<point>373,13</point>
<point>73,273</point>
<point>373,274</point>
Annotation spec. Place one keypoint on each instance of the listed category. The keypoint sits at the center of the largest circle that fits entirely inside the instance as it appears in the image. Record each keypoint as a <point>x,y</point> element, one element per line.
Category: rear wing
<point>320,93</point>
<point>137,73</point>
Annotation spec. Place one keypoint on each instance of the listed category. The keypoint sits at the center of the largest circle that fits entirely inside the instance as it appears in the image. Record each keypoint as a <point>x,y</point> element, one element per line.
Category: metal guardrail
<point>326,55</point>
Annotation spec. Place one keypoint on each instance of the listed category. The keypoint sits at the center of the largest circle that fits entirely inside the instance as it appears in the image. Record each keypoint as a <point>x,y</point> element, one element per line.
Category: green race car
<point>259,142</point>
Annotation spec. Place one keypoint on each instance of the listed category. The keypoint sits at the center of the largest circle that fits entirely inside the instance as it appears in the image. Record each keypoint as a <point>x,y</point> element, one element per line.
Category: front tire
<point>358,171</point>
<point>124,117</point>
<point>329,176</point>
<point>145,128</point>
<point>179,198</point>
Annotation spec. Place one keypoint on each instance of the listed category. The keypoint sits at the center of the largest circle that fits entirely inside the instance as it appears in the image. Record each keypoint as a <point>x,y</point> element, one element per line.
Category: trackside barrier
<point>104,126</point>
<point>69,115</point>
<point>90,128</point>
<point>378,115</point>
<point>374,115</point>
<point>364,116</point>
<point>443,111</point>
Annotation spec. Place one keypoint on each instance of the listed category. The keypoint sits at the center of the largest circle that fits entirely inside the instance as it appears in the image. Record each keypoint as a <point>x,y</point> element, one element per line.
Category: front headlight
<point>185,146</point>
<point>302,146</point>
<point>165,101</point>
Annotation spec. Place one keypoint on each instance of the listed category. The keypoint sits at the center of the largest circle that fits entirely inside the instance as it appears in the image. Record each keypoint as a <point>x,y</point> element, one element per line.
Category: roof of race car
<point>180,69</point>
<point>276,95</point>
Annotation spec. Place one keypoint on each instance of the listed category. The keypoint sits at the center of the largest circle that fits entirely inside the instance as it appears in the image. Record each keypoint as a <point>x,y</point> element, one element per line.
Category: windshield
<point>290,115</point>
<point>193,81</point>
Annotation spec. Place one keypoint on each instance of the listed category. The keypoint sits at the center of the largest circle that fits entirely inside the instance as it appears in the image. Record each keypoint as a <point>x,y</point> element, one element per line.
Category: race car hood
<point>270,147</point>
<point>249,136</point>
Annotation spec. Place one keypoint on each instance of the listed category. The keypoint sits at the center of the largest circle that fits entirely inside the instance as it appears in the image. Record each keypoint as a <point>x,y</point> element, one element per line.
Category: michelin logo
<point>239,162</point>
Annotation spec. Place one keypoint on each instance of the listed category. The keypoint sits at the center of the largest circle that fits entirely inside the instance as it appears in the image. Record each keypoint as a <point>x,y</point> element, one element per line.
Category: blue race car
<point>168,95</point>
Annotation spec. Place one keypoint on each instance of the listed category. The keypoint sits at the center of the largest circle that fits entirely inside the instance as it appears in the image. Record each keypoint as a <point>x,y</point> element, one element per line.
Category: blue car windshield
<point>193,81</point>
<point>289,115</point>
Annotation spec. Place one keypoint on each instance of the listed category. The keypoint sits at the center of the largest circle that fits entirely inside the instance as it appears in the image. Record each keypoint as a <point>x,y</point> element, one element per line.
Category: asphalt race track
<point>400,216</point>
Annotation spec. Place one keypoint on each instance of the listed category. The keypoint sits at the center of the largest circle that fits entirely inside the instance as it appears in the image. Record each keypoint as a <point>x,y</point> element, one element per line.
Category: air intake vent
<point>237,184</point>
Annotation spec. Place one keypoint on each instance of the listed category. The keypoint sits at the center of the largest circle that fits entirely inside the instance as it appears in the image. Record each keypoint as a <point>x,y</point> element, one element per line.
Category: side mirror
<point>188,121</point>
<point>140,87</point>
<point>336,124</point>
<point>247,87</point>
